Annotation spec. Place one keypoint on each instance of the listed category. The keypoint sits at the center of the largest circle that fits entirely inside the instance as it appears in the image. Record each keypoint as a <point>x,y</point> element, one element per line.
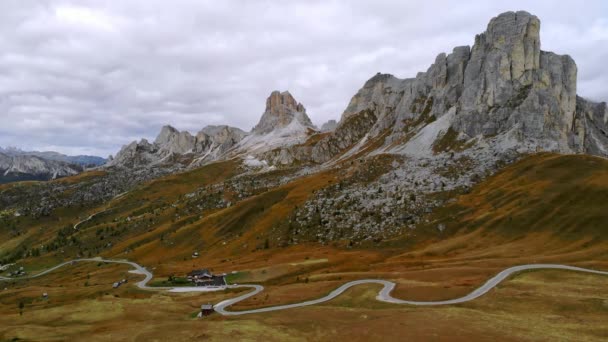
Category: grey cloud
<point>89,76</point>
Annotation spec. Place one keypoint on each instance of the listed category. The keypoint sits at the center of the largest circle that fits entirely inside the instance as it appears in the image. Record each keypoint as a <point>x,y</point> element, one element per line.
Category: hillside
<point>553,193</point>
<point>543,196</point>
<point>510,218</point>
<point>546,204</point>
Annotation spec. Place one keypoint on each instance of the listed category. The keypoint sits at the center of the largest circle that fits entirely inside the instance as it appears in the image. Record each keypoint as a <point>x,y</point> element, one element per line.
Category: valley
<point>426,266</point>
<point>466,203</point>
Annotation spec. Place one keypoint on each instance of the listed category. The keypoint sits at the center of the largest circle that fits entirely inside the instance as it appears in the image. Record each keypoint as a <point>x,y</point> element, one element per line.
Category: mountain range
<point>504,91</point>
<point>472,112</point>
<point>19,165</point>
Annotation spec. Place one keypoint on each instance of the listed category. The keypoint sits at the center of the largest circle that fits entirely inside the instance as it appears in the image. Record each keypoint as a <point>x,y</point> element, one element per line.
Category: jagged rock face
<point>503,86</point>
<point>27,167</point>
<point>510,83</point>
<point>329,126</point>
<point>350,131</point>
<point>215,141</point>
<point>209,144</point>
<point>5,161</point>
<point>170,140</point>
<point>591,127</point>
<point>283,125</point>
<point>281,110</point>
<point>135,155</point>
<point>503,59</point>
<point>397,103</point>
<point>223,135</point>
<point>504,89</point>
<point>355,128</point>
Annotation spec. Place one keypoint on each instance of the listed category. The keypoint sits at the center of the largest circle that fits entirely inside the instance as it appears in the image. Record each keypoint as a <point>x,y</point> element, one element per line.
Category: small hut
<point>206,309</point>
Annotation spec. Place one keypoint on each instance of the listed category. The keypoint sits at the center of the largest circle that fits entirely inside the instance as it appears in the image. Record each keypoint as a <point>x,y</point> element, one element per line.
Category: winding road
<point>383,296</point>
<point>90,218</point>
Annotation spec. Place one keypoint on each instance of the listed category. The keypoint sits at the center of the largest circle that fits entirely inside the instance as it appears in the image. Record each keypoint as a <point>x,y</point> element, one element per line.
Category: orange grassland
<point>545,208</point>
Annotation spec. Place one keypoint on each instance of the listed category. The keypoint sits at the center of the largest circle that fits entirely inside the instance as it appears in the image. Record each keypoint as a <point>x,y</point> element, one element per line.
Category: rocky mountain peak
<point>511,43</point>
<point>518,34</point>
<point>504,88</point>
<point>279,102</point>
<point>510,84</point>
<point>209,144</point>
<point>165,134</point>
<point>281,109</point>
<point>503,91</point>
<point>222,135</point>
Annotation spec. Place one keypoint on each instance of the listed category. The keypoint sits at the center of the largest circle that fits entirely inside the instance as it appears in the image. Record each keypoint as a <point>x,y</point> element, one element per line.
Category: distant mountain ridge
<point>27,167</point>
<point>82,160</point>
<point>18,165</point>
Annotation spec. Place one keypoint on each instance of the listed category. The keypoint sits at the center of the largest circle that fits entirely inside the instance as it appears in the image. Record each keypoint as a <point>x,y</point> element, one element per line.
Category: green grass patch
<point>233,278</point>
<point>174,282</point>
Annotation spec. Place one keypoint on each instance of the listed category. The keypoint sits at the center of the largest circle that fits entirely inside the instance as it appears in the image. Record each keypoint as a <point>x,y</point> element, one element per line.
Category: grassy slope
<point>237,231</point>
<point>545,208</point>
<point>565,195</point>
<point>554,199</point>
<point>558,198</point>
<point>165,190</point>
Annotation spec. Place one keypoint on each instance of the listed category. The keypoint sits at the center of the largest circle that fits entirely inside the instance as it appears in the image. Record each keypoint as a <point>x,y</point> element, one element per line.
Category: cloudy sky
<point>86,77</point>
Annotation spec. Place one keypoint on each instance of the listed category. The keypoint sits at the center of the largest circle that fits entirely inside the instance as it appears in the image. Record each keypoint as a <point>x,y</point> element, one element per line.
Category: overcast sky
<point>86,77</point>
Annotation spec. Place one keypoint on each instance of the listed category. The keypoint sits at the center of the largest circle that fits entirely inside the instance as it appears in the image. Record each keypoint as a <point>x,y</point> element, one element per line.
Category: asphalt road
<point>90,217</point>
<point>383,296</point>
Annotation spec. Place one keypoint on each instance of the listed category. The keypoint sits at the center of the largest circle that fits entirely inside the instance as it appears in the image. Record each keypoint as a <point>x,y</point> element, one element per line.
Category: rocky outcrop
<point>329,126</point>
<point>135,154</point>
<point>281,110</point>
<point>345,136</point>
<point>283,125</point>
<point>170,141</point>
<point>170,144</point>
<point>28,167</point>
<point>503,90</point>
<point>350,131</point>
<point>504,86</point>
<point>214,142</point>
<point>222,137</point>
<point>591,127</point>
<point>511,84</point>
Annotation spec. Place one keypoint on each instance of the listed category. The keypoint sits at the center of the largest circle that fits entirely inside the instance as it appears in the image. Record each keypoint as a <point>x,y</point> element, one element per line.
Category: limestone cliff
<point>208,145</point>
<point>504,90</point>
<point>504,86</point>
<point>281,110</point>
